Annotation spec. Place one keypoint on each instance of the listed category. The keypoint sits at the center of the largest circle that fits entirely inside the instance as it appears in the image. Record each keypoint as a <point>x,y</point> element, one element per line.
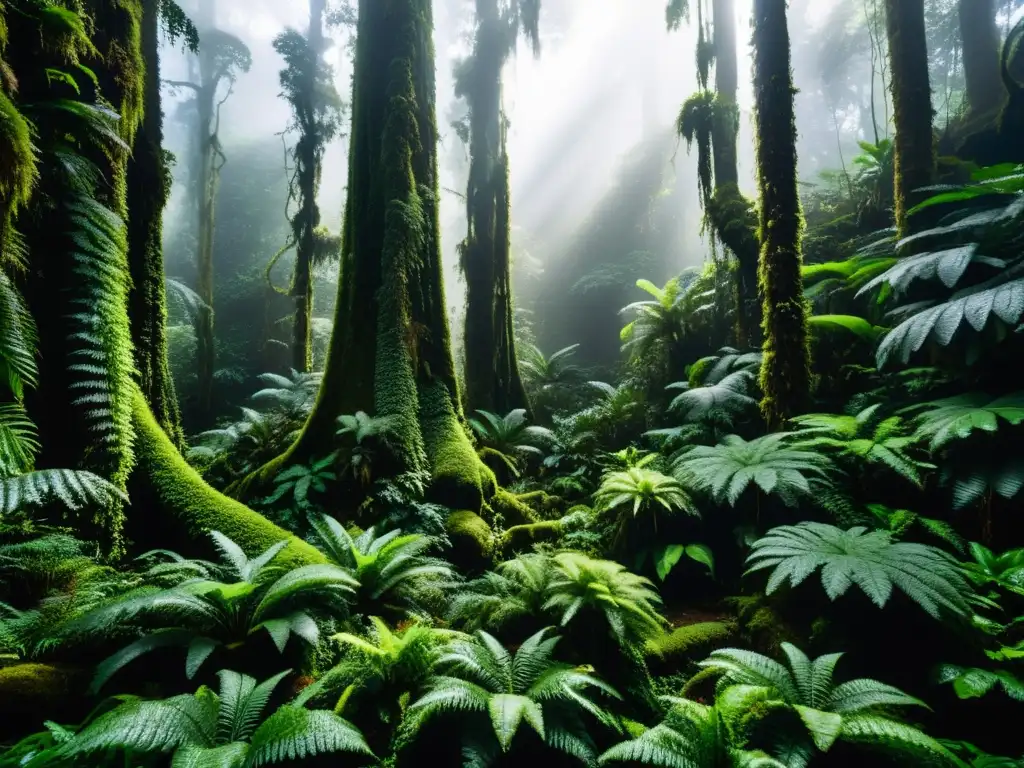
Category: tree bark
<point>914,154</point>
<point>730,213</point>
<point>493,381</point>
<point>785,372</point>
<point>980,37</point>
<point>390,353</point>
<point>309,162</point>
<point>148,190</point>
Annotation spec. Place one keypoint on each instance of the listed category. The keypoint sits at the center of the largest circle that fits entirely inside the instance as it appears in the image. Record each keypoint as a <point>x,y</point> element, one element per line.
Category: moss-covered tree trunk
<point>148,189</point>
<point>785,372</point>
<point>493,381</point>
<point>390,353</point>
<point>91,412</point>
<point>309,167</point>
<point>914,156</point>
<point>729,211</point>
<point>980,38</point>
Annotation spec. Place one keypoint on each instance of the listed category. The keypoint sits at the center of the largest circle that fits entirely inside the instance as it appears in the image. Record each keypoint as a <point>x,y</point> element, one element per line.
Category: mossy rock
<point>549,507</point>
<point>30,693</point>
<point>511,509</point>
<point>521,538</point>
<point>689,643</point>
<point>504,469</point>
<point>472,539</point>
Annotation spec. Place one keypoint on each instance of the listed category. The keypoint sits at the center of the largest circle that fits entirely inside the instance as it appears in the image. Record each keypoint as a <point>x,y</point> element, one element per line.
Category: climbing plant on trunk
<point>390,354</point>
<point>785,371</point>
<point>317,110</point>
<point>912,104</point>
<point>493,381</point>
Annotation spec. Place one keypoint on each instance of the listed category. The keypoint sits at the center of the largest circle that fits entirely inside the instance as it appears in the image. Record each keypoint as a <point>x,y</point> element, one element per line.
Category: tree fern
<point>857,710</point>
<point>864,436</point>
<point>603,593</point>
<point>513,691</point>
<point>227,730</point>
<point>204,616</point>
<point>392,571</point>
<point>768,463</point>
<point>692,735</point>
<point>869,560</point>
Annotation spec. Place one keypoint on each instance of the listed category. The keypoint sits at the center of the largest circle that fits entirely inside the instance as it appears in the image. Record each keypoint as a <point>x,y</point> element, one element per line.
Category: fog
<point>608,78</point>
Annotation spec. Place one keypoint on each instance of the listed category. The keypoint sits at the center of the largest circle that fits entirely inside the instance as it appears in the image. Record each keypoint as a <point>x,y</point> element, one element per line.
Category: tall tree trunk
<point>493,382</point>
<point>207,172</point>
<point>309,163</point>
<point>148,189</point>
<point>730,213</point>
<point>980,37</point>
<point>390,353</point>
<point>91,412</point>
<point>912,104</point>
<point>725,131</point>
<point>785,372</point>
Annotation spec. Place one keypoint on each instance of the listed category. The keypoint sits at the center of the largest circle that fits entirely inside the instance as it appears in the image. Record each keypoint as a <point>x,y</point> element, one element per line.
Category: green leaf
<point>508,710</point>
<point>856,325</point>
<point>667,558</point>
<point>702,554</point>
<point>824,727</point>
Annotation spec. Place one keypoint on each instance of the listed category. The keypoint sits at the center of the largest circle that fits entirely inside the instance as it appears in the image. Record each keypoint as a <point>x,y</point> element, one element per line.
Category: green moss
<point>503,467</point>
<point>18,171</point>
<point>543,503</point>
<point>472,539</point>
<point>521,538</point>
<point>173,500</point>
<point>690,641</point>
<point>511,508</point>
<point>32,686</point>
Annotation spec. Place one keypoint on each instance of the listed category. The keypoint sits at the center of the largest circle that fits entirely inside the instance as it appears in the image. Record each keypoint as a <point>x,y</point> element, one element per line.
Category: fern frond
<point>74,489</point>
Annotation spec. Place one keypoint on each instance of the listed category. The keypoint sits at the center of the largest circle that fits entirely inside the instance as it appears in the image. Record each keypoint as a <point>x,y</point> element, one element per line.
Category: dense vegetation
<point>783,530</point>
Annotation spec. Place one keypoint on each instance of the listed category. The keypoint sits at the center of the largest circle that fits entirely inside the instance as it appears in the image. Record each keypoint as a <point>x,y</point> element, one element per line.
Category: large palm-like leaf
<point>975,255</point>
<point>853,710</point>
<point>769,463</point>
<point>545,372</point>
<point>511,434</point>
<point>973,466</point>
<point>203,616</point>
<point>724,399</point>
<point>602,591</point>
<point>528,688</point>
<point>863,436</point>
<point>228,730</point>
<point>870,560</point>
<point>391,570</point>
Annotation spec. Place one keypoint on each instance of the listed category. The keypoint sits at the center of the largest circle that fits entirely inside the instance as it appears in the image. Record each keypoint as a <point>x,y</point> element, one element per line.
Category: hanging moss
<point>148,191</point>
<point>734,221</point>
<point>400,363</point>
<point>914,157</point>
<point>785,371</point>
<point>694,124</point>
